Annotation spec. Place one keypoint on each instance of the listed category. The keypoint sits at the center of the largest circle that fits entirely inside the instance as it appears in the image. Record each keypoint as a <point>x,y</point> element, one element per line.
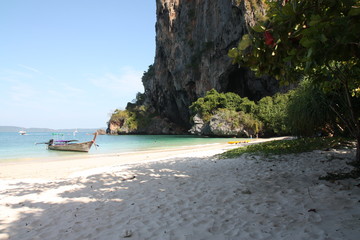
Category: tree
<point>318,39</point>
<point>308,112</point>
<point>213,100</point>
<point>229,108</point>
<point>272,112</point>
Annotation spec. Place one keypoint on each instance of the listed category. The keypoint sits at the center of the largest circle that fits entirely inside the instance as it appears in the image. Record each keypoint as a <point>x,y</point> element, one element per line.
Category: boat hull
<point>74,147</point>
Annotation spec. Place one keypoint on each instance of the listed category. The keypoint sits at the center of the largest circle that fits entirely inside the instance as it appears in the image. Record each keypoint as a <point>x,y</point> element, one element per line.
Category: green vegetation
<point>272,112</point>
<point>287,147</point>
<point>315,39</point>
<point>213,101</point>
<point>134,118</point>
<point>230,107</point>
<point>300,145</point>
<point>308,112</point>
<point>149,74</point>
<point>304,112</point>
<point>266,117</point>
<point>234,120</point>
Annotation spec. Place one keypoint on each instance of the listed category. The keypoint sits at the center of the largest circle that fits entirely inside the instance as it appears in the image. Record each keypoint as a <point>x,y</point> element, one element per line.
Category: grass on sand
<point>287,146</point>
<point>297,146</point>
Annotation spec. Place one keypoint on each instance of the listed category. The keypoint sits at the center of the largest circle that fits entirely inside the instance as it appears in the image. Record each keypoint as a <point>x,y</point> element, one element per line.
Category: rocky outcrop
<point>198,126</point>
<point>101,131</point>
<point>156,125</point>
<point>219,126</point>
<point>192,42</point>
<point>112,128</point>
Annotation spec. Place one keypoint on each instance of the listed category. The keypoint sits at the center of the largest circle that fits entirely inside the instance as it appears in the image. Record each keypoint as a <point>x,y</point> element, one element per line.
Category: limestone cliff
<point>193,38</point>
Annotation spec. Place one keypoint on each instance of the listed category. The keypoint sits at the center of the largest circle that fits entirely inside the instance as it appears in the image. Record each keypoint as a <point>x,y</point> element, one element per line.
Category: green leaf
<point>309,53</point>
<point>354,12</point>
<point>306,42</point>
<point>233,53</point>
<point>287,59</point>
<point>288,10</point>
<point>314,20</point>
<point>245,42</point>
<point>323,38</point>
<point>258,28</point>
<point>292,52</point>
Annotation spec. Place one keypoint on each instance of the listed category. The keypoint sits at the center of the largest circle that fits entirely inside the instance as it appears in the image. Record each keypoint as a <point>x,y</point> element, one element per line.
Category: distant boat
<point>22,132</point>
<point>75,132</point>
<point>69,145</point>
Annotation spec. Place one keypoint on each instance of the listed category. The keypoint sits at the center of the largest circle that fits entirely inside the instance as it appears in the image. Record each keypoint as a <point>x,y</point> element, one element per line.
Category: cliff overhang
<point>192,42</point>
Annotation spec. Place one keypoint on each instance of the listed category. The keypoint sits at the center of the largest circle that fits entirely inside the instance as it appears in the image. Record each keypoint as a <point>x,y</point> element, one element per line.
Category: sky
<point>71,63</point>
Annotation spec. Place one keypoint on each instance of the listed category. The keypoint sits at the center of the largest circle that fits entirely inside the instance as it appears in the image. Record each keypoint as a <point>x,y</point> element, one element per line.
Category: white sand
<point>183,194</point>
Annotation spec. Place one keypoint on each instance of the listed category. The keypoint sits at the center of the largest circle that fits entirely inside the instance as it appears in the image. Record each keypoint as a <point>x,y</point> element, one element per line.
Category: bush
<point>272,111</point>
<point>212,101</point>
<point>240,119</point>
<point>119,116</point>
<point>305,111</point>
<point>308,111</point>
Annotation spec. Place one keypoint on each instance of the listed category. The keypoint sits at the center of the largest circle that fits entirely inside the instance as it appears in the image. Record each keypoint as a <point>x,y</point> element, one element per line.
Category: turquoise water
<point>14,146</point>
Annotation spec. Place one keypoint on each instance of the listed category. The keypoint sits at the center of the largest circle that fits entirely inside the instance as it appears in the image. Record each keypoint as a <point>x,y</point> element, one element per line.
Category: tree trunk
<point>357,158</point>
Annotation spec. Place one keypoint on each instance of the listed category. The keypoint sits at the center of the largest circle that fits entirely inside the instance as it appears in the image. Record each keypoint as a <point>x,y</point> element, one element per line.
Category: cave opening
<point>243,82</point>
<point>236,82</point>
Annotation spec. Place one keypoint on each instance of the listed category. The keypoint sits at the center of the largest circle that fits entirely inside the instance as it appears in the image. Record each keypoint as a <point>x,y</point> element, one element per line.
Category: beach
<point>180,193</point>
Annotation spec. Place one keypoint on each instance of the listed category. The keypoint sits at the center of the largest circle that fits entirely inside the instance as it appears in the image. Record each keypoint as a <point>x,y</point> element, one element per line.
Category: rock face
<point>157,125</point>
<point>192,42</point>
<point>218,126</point>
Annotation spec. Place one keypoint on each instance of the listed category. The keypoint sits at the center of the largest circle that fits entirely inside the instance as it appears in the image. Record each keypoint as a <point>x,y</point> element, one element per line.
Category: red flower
<point>269,39</point>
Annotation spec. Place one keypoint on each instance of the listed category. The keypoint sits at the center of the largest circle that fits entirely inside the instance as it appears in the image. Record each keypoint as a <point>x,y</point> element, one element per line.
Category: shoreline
<point>182,194</point>
<point>94,155</point>
<point>24,149</point>
<point>64,166</point>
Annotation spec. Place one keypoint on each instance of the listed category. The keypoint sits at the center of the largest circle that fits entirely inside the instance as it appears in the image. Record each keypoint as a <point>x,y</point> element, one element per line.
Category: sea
<point>14,146</point>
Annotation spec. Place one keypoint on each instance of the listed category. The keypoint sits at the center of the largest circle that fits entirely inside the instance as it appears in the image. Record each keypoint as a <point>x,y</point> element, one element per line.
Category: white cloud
<point>22,92</point>
<point>42,98</point>
<point>127,82</point>
<point>30,88</point>
<point>31,69</point>
<point>11,75</point>
<point>71,90</point>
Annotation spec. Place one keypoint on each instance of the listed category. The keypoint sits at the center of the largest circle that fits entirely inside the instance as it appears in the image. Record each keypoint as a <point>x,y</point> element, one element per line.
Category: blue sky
<point>70,63</point>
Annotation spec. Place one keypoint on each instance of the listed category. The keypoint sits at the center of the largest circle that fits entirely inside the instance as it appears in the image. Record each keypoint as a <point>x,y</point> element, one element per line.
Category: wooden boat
<point>69,145</point>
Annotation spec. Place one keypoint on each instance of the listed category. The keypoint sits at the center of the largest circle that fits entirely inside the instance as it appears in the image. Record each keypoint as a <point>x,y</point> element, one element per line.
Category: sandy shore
<point>180,194</point>
<point>64,167</point>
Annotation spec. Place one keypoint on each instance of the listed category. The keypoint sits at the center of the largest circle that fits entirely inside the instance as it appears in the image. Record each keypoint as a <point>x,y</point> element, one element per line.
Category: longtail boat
<point>69,145</point>
<point>22,132</point>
